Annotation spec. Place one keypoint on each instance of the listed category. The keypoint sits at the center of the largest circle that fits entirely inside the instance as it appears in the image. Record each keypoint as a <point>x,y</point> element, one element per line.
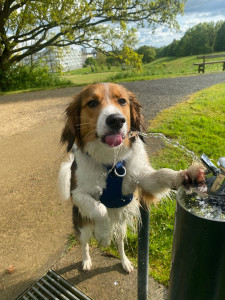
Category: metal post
<point>143,254</point>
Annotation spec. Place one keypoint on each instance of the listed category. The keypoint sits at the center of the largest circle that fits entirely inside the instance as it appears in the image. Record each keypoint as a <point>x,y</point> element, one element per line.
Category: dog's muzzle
<point>115,135</point>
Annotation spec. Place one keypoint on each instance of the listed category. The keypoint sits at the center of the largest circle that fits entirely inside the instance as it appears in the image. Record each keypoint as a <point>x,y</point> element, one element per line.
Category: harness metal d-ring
<point>120,175</point>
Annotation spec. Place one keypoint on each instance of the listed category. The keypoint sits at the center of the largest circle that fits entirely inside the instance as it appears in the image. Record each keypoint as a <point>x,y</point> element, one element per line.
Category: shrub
<point>25,77</point>
<point>90,61</point>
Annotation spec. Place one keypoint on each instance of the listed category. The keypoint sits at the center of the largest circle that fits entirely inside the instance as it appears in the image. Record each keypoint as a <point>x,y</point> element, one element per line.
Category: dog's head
<point>103,111</point>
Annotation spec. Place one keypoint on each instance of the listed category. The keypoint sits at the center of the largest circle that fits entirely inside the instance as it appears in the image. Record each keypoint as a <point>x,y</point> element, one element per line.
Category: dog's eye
<point>122,101</point>
<point>93,103</point>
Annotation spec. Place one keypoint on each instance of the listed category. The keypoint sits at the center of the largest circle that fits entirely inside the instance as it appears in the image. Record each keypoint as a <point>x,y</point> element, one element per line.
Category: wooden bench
<point>201,65</point>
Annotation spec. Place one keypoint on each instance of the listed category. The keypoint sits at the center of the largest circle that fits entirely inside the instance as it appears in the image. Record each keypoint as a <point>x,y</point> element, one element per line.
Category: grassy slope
<point>160,68</point>
<point>86,76</point>
<point>83,79</point>
<point>166,67</point>
<point>183,65</point>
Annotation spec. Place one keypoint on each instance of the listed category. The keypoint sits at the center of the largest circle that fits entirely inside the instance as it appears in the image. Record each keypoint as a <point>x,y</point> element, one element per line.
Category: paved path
<point>34,224</point>
<point>157,95</point>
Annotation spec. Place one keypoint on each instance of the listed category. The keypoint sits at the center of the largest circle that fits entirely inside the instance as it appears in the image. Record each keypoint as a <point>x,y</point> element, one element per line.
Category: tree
<point>101,58</point>
<point>90,61</point>
<point>200,39</point>
<point>171,49</point>
<point>113,59</point>
<point>220,38</point>
<point>149,53</point>
<point>130,58</point>
<point>29,26</point>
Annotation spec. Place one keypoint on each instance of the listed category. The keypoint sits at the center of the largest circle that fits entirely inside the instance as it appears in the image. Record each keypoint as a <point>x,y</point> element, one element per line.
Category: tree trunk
<point>4,73</point>
<point>3,81</point>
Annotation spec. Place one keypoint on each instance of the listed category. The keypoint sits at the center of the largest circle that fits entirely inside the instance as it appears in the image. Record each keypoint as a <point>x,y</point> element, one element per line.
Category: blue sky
<point>196,11</point>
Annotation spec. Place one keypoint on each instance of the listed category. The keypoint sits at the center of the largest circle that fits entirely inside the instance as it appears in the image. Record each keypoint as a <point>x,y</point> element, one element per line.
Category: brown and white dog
<point>108,162</point>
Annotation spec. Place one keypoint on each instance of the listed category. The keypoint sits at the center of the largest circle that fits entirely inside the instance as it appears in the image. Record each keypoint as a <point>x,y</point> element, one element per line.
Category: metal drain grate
<point>52,287</point>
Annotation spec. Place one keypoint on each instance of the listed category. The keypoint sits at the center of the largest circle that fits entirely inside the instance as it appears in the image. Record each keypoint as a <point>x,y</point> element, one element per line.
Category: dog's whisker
<point>93,131</point>
<point>81,124</point>
<point>83,118</point>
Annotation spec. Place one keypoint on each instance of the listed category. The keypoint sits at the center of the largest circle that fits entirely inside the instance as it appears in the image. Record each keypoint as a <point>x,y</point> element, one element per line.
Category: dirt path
<point>34,223</point>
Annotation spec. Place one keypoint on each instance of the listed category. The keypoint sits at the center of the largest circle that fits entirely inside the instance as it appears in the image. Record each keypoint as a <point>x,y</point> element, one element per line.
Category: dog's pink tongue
<point>113,140</point>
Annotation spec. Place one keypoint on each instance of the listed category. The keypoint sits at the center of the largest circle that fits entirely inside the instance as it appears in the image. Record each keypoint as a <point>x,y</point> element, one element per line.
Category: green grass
<point>199,125</point>
<point>83,79</point>
<point>98,69</point>
<point>86,76</point>
<point>160,240</point>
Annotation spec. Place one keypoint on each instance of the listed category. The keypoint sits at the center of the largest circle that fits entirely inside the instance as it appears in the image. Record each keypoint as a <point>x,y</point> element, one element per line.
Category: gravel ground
<point>34,223</point>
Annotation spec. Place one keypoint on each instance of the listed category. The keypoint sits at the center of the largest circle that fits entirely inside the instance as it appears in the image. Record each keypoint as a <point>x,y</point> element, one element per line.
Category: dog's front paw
<point>127,265</point>
<point>102,210</point>
<point>99,212</point>
<point>87,264</point>
<point>193,176</point>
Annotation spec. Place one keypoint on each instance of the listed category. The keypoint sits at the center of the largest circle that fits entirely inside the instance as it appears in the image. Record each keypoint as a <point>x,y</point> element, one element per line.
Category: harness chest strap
<point>112,196</point>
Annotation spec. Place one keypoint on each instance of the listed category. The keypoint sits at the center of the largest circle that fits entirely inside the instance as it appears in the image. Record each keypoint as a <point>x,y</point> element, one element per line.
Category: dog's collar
<point>112,196</point>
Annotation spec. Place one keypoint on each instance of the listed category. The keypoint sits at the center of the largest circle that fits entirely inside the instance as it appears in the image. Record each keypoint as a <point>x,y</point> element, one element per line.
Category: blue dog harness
<point>112,195</point>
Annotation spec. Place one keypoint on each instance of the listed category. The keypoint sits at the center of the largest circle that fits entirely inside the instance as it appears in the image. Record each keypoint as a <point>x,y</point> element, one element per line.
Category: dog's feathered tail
<point>64,178</point>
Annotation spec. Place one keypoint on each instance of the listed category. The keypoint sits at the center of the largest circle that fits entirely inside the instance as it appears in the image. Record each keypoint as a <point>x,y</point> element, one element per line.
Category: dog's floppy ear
<point>71,132</point>
<point>137,119</point>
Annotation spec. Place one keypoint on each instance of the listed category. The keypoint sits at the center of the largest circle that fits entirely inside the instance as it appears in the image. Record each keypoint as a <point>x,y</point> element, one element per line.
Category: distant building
<point>86,54</point>
<point>70,59</point>
<point>60,59</point>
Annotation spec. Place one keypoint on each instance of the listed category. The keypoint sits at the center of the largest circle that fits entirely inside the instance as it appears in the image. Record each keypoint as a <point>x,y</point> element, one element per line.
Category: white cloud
<point>188,21</point>
<point>196,11</point>
<point>160,35</point>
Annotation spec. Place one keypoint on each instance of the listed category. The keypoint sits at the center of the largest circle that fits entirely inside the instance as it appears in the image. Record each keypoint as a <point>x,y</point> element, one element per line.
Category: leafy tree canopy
<point>202,38</point>
<point>101,58</point>
<point>220,38</point>
<point>149,53</point>
<point>28,26</point>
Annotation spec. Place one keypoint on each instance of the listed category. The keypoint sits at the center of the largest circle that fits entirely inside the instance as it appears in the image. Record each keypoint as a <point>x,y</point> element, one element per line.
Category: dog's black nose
<point>115,121</point>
